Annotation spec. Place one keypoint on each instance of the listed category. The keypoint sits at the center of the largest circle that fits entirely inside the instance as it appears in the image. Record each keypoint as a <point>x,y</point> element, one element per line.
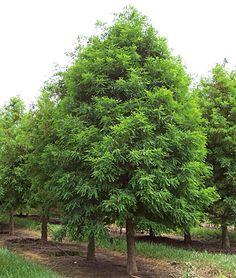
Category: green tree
<point>131,145</point>
<point>14,184</point>
<point>75,187</point>
<point>218,102</point>
<point>41,134</point>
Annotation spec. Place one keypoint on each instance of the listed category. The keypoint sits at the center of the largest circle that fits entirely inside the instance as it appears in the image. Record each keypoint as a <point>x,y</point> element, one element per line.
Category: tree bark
<point>151,233</point>
<point>224,237</point>
<point>11,223</point>
<point>187,237</point>
<point>91,248</point>
<point>44,228</point>
<point>131,252</point>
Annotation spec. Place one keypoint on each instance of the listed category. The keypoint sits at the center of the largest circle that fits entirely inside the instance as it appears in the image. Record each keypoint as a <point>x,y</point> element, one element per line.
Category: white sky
<point>35,34</point>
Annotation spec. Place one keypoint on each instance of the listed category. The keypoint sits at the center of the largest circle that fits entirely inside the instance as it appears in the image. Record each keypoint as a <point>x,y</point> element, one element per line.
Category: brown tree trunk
<point>91,248</point>
<point>44,228</point>
<point>187,237</point>
<point>131,253</point>
<point>224,237</point>
<point>11,223</point>
<point>151,233</point>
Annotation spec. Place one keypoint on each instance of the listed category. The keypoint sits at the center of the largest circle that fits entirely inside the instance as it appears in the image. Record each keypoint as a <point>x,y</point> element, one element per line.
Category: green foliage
<point>218,102</point>
<point>41,134</point>
<point>152,227</point>
<point>17,267</point>
<point>130,143</point>
<point>14,184</point>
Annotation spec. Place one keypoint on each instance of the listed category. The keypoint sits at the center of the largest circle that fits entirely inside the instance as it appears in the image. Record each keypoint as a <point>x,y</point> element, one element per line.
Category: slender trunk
<point>224,237</point>
<point>120,231</point>
<point>44,228</point>
<point>151,233</point>
<point>187,237</point>
<point>91,248</point>
<point>131,254</point>
<point>11,223</point>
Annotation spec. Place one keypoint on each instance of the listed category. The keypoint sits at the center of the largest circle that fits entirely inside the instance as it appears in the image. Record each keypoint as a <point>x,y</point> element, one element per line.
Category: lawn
<point>211,233</point>
<point>30,224</point>
<point>225,264</point>
<point>13,266</point>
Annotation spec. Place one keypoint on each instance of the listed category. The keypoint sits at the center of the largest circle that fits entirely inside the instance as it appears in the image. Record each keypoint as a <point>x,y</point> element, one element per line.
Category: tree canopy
<point>14,183</point>
<point>41,135</point>
<point>218,102</point>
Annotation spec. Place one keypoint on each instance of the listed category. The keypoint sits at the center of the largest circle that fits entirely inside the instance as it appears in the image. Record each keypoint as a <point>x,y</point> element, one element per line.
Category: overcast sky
<point>35,34</point>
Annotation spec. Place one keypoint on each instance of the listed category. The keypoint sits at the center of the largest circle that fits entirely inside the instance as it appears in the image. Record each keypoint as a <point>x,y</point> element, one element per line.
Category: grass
<point>206,233</point>
<point>22,222</point>
<point>13,266</point>
<point>30,224</point>
<point>220,262</point>
<point>211,233</point>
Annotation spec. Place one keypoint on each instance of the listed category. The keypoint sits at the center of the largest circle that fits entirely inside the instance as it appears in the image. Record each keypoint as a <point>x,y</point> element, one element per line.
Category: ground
<point>70,259</point>
<point>211,246</point>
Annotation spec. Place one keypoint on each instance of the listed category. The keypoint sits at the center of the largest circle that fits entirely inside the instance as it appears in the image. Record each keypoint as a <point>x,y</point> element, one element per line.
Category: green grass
<point>13,266</point>
<point>30,224</point>
<point>211,233</point>
<point>22,222</point>
<point>27,223</point>
<point>206,233</point>
<point>221,262</point>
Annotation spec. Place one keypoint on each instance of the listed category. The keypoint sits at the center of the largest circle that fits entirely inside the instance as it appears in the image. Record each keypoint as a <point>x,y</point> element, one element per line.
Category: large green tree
<point>131,143</point>
<point>218,102</point>
<point>14,183</point>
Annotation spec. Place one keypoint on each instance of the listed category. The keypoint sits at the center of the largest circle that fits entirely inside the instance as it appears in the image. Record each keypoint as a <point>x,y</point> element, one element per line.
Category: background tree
<point>133,144</point>
<point>41,134</point>
<point>218,102</point>
<point>75,188</point>
<point>14,184</point>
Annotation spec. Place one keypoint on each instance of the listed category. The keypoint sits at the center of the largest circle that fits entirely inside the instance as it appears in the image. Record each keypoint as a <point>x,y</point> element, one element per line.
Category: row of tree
<point>119,137</point>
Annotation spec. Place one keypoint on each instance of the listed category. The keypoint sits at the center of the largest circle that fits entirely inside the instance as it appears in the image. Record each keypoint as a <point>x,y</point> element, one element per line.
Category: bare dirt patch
<point>69,259</point>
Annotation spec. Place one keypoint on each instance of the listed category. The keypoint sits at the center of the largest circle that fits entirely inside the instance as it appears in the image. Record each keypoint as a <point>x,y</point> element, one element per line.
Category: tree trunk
<point>187,237</point>
<point>91,248</point>
<point>224,237</point>
<point>44,228</point>
<point>151,233</point>
<point>11,223</point>
<point>131,254</point>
